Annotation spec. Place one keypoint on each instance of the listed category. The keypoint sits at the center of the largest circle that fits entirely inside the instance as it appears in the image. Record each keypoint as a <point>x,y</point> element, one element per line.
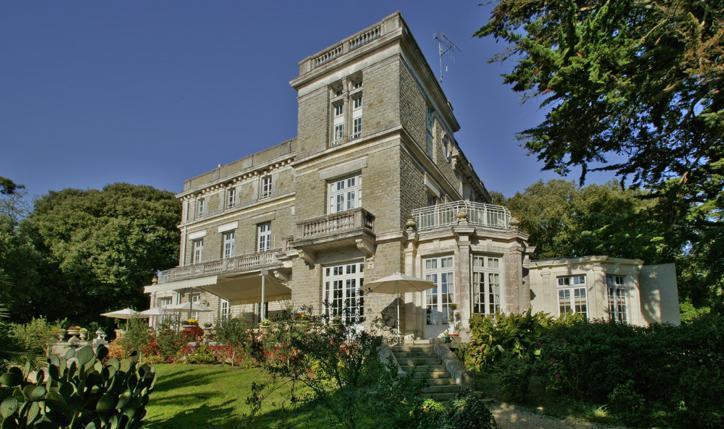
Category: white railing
<point>328,55</point>
<point>335,223</point>
<point>448,214</point>
<point>249,262</point>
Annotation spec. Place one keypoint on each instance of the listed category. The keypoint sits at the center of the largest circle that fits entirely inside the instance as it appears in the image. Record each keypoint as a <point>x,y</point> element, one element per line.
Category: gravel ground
<point>510,416</point>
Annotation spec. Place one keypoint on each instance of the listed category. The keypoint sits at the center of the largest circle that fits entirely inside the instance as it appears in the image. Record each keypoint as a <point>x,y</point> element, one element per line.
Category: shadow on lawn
<point>308,415</point>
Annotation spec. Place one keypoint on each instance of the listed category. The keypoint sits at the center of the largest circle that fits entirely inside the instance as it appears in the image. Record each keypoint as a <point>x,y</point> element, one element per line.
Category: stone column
<point>513,292</point>
<point>463,232</point>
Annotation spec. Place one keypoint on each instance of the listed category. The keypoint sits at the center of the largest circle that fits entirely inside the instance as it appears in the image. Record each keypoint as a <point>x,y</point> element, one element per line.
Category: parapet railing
<point>351,43</point>
<point>448,214</point>
<point>242,263</point>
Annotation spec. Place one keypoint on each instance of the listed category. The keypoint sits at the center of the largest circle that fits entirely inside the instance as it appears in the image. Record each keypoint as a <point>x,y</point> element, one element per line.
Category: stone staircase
<point>420,360</point>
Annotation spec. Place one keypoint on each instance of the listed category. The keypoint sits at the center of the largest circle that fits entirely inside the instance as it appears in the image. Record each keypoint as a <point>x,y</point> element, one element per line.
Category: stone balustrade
<point>357,40</point>
<point>237,264</point>
<point>335,223</point>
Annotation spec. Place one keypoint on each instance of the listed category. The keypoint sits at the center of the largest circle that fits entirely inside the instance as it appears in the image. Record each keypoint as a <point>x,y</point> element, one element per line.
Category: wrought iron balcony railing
<point>449,214</point>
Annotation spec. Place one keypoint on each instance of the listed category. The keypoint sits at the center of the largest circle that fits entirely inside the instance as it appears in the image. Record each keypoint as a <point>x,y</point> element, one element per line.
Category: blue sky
<point>153,92</point>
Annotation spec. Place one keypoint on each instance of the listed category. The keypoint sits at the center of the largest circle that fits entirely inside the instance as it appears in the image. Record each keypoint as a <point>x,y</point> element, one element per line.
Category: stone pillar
<point>462,272</point>
<point>513,290</point>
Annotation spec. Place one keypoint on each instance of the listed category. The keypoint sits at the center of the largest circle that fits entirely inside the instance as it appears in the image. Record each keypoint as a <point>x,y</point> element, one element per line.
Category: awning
<point>246,289</point>
<point>181,284</point>
<point>240,289</point>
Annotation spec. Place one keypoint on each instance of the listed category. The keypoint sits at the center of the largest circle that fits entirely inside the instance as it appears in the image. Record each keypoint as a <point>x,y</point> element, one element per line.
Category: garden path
<point>509,416</point>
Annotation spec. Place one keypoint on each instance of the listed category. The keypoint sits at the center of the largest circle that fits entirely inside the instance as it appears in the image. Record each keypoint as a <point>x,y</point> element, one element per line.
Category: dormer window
<point>200,207</point>
<point>231,197</point>
<point>266,187</point>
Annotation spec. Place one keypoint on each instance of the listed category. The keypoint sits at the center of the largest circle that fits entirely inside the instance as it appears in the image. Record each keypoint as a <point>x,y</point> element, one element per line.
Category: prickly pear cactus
<point>79,391</point>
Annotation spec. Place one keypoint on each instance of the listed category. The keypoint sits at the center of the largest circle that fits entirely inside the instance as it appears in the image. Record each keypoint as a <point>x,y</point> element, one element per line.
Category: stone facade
<point>374,183</point>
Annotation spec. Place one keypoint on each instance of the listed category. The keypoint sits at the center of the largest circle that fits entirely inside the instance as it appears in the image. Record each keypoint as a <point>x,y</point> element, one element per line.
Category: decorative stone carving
<point>307,257</point>
<point>364,246</point>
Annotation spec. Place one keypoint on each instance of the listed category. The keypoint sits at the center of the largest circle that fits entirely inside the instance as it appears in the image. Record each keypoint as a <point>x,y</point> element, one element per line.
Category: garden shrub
<point>169,341</point>
<point>136,336</point>
<point>236,334</point>
<point>431,414</point>
<point>468,411</point>
<point>33,339</point>
<point>672,374</point>
<point>200,354</point>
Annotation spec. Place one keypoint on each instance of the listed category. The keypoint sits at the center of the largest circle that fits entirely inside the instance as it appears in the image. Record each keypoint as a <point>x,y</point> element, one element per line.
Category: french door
<point>439,300</point>
<point>342,293</point>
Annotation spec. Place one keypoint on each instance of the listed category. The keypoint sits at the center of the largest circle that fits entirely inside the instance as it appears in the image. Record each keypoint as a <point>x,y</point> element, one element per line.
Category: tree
<point>564,220</point>
<point>632,87</point>
<point>99,248</point>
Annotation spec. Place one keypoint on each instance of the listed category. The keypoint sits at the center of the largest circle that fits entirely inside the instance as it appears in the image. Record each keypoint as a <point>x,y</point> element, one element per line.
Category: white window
<point>230,197</point>
<point>356,117</point>
<point>357,101</point>
<point>200,207</point>
<point>356,128</point>
<point>429,132</point>
<point>439,299</point>
<point>228,239</point>
<point>617,305</point>
<point>345,194</point>
<point>357,84</point>
<point>486,285</point>
<point>263,237</point>
<point>572,297</point>
<point>338,123</point>
<point>197,250</point>
<point>224,309</point>
<point>266,187</point>
<point>342,292</point>
<point>338,109</point>
<point>164,301</point>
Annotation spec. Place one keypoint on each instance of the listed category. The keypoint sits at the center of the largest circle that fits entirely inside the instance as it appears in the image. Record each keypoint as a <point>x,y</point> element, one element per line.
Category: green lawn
<point>214,396</point>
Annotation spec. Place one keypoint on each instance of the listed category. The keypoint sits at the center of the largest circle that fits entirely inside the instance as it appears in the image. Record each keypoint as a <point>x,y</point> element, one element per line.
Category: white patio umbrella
<point>188,306</point>
<point>398,284</point>
<point>125,314</point>
<point>154,311</point>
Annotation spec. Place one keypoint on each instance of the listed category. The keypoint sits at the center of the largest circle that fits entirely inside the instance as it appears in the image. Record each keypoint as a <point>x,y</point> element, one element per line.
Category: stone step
<point>440,381</point>
<point>442,388</point>
<point>441,397</point>
<point>408,361</point>
<point>431,374</point>
<point>422,368</point>
<point>413,348</point>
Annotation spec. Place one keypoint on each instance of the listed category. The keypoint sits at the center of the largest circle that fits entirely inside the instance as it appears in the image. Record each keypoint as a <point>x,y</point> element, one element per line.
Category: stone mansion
<point>375,183</point>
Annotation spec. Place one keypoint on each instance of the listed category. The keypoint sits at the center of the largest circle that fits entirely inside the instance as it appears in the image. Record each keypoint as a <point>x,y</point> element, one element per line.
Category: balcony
<point>450,214</point>
<point>337,229</point>
<point>235,265</point>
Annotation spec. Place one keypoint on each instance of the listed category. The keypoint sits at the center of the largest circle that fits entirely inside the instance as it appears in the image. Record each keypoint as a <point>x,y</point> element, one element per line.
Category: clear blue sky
<point>152,92</point>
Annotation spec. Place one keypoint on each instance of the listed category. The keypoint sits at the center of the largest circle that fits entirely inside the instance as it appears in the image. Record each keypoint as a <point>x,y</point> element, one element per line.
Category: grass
<point>214,396</point>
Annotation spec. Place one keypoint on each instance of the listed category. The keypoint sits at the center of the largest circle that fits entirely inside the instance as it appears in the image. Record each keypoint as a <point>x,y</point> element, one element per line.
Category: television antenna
<point>445,46</point>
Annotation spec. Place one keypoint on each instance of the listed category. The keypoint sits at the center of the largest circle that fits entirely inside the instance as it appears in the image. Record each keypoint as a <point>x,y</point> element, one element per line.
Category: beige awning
<point>181,284</point>
<point>246,289</point>
<point>240,289</point>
